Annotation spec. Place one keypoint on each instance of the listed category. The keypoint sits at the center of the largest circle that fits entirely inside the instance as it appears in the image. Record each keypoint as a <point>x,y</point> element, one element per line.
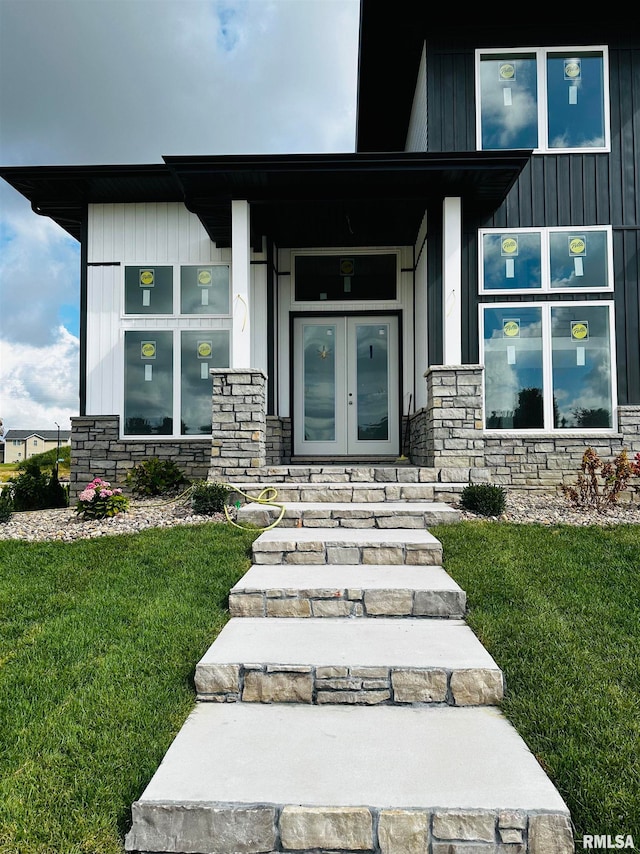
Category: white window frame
<point>541,54</point>
<point>547,367</point>
<point>545,260</point>
<point>175,323</point>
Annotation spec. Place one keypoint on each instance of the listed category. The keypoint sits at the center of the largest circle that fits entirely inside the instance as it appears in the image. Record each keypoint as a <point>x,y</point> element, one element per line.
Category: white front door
<point>346,386</point>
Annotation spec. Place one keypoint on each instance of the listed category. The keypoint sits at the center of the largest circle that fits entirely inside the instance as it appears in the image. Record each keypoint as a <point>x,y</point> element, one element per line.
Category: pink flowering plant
<point>99,500</point>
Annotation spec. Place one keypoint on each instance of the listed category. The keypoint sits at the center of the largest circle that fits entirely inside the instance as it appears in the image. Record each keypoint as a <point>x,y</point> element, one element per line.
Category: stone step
<point>347,546</point>
<point>331,473</point>
<point>346,591</point>
<point>355,662</point>
<point>245,777</point>
<point>350,515</point>
<point>353,492</point>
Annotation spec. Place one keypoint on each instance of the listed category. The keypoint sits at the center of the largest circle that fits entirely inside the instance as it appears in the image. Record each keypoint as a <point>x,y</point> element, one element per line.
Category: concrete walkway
<point>362,716</point>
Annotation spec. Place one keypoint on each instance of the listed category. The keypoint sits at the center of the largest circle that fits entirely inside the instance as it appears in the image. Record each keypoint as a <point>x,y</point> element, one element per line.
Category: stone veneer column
<point>238,421</point>
<point>454,416</point>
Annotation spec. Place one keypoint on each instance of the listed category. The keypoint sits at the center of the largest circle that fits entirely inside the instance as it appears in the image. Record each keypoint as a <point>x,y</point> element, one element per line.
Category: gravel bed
<point>66,525</point>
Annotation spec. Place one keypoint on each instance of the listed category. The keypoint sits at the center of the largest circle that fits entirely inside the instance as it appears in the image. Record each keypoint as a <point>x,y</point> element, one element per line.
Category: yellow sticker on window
<point>507,71</point>
<point>347,266</point>
<point>204,278</point>
<point>511,328</point>
<point>577,246</point>
<point>204,349</point>
<point>146,278</point>
<point>579,330</point>
<point>148,349</point>
<point>509,246</point>
<point>571,69</point>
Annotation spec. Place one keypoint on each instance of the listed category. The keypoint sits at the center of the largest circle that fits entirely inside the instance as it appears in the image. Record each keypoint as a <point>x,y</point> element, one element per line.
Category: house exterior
<point>461,290</point>
<point>20,445</point>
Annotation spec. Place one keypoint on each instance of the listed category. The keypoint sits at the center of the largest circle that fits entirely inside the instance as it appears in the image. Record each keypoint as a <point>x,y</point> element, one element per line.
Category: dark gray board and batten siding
<point>553,190</point>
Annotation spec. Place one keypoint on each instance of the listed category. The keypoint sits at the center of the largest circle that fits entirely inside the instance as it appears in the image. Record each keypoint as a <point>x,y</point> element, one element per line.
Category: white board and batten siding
<point>148,234</point>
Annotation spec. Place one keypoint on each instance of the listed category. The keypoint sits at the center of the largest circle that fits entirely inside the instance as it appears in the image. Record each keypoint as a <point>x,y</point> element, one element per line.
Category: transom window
<point>340,278</point>
<point>557,260</point>
<point>548,366</point>
<point>545,99</point>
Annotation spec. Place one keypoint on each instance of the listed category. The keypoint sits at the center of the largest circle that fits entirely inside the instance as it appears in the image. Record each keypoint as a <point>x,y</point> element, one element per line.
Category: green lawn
<point>99,641</point>
<point>559,610</point>
<point>98,644</point>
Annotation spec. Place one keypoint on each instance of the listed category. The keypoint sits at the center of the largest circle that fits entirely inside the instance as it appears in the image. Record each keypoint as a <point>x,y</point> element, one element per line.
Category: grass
<point>98,644</point>
<point>99,640</point>
<point>559,610</point>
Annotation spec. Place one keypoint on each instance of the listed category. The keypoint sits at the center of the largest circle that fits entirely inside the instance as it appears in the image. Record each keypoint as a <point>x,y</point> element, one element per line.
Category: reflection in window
<point>578,259</point>
<point>199,352</point>
<point>566,110</point>
<point>204,289</point>
<point>372,367</point>
<point>575,101</point>
<point>148,290</point>
<point>511,261</point>
<point>319,373</point>
<point>509,101</point>
<point>148,383</point>
<point>581,360</point>
<point>513,367</point>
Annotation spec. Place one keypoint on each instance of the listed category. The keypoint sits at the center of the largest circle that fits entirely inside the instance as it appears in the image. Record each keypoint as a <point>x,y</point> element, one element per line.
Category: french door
<point>346,386</point>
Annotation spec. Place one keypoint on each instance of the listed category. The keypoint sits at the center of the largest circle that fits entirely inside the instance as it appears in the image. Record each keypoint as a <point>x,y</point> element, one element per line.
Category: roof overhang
<point>296,200</point>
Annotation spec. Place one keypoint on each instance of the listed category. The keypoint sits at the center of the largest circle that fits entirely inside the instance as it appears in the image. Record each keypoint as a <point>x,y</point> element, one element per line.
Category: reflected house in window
<point>459,291</point>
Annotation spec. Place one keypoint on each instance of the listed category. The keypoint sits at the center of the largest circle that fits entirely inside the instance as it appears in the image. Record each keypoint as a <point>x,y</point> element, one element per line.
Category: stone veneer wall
<point>239,422</point>
<point>449,432</point>
<point>278,440</point>
<point>98,451</point>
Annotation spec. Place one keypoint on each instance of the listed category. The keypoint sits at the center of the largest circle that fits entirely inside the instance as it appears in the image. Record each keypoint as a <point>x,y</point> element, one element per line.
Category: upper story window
<point>546,99</point>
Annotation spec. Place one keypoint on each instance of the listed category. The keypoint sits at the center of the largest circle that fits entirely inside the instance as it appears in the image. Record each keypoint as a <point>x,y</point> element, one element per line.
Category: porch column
<point>240,280</point>
<point>452,281</point>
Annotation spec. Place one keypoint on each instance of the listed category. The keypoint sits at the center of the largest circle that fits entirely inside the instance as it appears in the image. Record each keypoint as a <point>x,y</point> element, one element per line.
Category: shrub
<point>484,498</point>
<point>99,501</point>
<point>57,495</point>
<point>30,490</point>
<point>599,484</point>
<point>6,505</point>
<point>155,477</point>
<point>208,498</point>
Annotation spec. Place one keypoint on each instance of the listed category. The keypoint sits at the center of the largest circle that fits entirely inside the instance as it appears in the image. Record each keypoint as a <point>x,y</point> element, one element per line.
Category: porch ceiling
<point>341,199</point>
<point>296,200</point>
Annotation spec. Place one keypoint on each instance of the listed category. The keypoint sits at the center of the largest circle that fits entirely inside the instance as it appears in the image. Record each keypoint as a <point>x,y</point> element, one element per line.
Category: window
<point>548,366</point>
<point>551,260</point>
<point>169,351</point>
<point>545,99</point>
<point>339,278</point>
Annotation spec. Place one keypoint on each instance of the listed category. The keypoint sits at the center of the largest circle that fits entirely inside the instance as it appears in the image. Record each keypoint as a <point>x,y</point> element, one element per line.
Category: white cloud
<point>39,384</point>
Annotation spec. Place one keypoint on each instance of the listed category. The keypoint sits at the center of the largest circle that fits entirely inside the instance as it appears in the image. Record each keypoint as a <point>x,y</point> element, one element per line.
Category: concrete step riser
<point>336,685</point>
<point>306,474</point>
<point>320,603</point>
<point>338,554</point>
<point>354,515</point>
<point>341,493</point>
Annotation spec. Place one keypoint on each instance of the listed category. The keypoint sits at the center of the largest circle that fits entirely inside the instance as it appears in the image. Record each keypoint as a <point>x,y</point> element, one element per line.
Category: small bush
<point>484,498</point>
<point>599,484</point>
<point>208,498</point>
<point>6,505</point>
<point>33,490</point>
<point>155,477</point>
<point>99,501</point>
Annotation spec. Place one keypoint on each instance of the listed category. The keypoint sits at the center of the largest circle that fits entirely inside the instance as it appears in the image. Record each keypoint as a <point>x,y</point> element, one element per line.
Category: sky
<point>128,81</point>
